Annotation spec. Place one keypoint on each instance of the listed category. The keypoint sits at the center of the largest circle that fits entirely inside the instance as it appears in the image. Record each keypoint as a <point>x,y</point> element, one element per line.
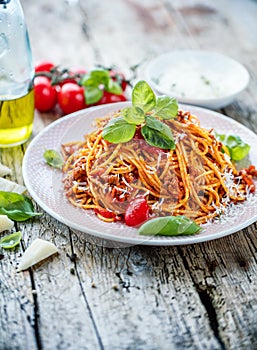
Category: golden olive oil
<point>16,120</point>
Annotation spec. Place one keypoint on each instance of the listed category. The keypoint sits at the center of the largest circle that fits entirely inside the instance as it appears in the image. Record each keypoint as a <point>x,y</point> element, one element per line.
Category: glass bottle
<point>16,76</point>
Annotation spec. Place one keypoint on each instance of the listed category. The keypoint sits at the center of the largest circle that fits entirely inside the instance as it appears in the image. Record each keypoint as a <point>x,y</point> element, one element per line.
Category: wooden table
<point>200,296</point>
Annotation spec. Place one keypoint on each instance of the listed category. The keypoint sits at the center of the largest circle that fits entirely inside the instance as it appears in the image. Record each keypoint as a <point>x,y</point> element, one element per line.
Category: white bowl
<point>196,77</point>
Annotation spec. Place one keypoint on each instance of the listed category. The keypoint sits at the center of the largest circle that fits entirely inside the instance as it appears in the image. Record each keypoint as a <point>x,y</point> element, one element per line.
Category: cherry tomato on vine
<point>120,78</point>
<point>108,97</point>
<point>45,94</point>
<point>74,75</point>
<point>44,66</point>
<point>137,211</point>
<point>71,98</point>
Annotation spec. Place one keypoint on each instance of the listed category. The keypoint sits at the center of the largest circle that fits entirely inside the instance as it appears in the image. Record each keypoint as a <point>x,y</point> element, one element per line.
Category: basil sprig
<point>146,110</point>
<point>237,148</point>
<point>16,206</point>
<point>169,226</point>
<point>94,82</point>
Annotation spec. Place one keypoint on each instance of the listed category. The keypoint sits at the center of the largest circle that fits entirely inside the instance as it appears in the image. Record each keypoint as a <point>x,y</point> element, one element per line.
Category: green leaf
<point>143,96</point>
<point>113,87</point>
<point>158,134</point>
<point>133,115</point>
<point>96,77</point>
<point>237,148</point>
<point>53,158</point>
<point>93,94</point>
<point>169,226</point>
<point>156,138</point>
<point>166,107</point>
<point>11,240</point>
<point>118,130</point>
<point>16,206</point>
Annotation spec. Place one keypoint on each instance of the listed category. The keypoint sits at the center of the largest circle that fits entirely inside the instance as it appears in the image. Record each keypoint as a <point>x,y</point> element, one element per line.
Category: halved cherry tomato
<point>71,98</point>
<point>45,94</point>
<point>137,211</point>
<point>44,66</point>
<point>105,213</point>
<point>108,97</point>
<point>120,78</point>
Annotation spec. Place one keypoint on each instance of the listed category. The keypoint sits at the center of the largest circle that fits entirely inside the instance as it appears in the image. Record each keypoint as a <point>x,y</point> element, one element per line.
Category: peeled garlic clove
<point>11,186</point>
<point>5,223</point>
<point>4,170</point>
<point>37,251</point>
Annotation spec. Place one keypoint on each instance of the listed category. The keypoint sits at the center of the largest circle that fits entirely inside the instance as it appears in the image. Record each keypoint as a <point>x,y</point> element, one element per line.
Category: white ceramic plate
<point>45,183</point>
<point>196,77</point>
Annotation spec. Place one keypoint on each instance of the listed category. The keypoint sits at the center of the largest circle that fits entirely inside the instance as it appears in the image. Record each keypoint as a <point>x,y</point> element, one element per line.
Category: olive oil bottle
<point>16,76</point>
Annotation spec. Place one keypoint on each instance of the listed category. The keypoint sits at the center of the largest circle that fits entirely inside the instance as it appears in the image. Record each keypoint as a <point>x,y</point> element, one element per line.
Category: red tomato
<point>71,98</point>
<point>108,97</point>
<point>45,94</point>
<point>137,211</point>
<point>120,78</point>
<point>44,66</point>
<point>105,213</point>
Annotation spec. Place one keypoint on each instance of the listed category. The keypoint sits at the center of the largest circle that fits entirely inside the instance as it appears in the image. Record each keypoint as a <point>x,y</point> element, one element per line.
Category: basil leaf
<point>118,130</point>
<point>237,148</point>
<point>166,107</point>
<point>53,158</point>
<point>16,206</point>
<point>11,240</point>
<point>100,76</point>
<point>93,94</point>
<point>156,138</point>
<point>133,115</point>
<point>143,96</point>
<point>169,226</point>
<point>113,87</point>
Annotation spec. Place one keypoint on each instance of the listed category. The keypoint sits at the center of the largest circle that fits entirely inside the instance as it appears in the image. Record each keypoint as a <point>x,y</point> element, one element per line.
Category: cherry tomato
<point>44,66</point>
<point>120,78</point>
<point>105,213</point>
<point>108,97</point>
<point>45,94</point>
<point>71,98</point>
<point>137,211</point>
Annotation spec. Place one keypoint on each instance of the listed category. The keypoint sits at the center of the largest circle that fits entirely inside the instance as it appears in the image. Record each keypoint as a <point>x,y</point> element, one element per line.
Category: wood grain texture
<point>95,295</point>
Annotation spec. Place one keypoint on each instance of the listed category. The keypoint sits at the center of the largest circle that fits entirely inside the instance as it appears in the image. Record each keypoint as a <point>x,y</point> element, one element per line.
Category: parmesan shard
<point>11,186</point>
<point>37,251</point>
<point>4,170</point>
<point>5,223</point>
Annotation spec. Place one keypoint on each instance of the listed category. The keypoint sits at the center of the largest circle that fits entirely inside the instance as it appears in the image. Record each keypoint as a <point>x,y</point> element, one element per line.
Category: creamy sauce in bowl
<point>198,77</point>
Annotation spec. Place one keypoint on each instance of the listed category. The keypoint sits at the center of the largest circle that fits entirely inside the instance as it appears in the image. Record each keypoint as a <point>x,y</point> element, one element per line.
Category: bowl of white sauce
<point>197,77</point>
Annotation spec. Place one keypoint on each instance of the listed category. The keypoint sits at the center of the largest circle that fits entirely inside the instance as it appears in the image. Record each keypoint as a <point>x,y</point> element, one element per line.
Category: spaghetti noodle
<point>196,179</point>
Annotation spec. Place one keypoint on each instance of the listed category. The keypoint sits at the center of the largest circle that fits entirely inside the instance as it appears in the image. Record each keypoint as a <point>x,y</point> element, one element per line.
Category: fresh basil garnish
<point>169,226</point>
<point>166,107</point>
<point>53,158</point>
<point>145,110</point>
<point>16,206</point>
<point>11,240</point>
<point>118,130</point>
<point>143,96</point>
<point>237,148</point>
